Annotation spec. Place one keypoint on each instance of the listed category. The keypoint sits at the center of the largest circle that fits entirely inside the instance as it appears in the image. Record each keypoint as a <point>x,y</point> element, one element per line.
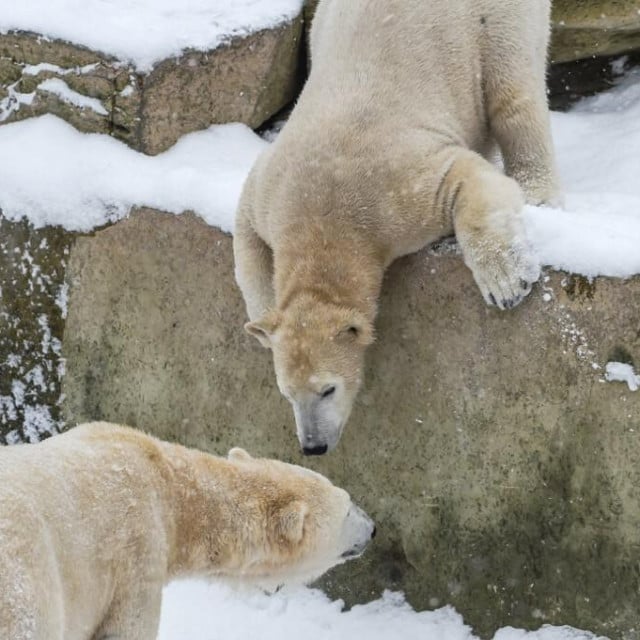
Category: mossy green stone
<point>32,294</point>
<point>9,72</point>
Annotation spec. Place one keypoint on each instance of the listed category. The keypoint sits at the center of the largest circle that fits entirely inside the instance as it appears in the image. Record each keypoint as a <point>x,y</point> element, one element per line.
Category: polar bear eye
<point>327,391</point>
<point>353,330</point>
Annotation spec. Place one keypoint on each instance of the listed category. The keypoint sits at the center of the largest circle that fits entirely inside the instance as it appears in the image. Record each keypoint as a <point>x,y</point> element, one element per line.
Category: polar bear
<point>95,521</point>
<point>388,149</point>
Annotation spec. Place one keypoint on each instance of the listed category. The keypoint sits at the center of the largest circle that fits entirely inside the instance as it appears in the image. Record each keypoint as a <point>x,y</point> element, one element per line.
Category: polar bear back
<point>426,59</point>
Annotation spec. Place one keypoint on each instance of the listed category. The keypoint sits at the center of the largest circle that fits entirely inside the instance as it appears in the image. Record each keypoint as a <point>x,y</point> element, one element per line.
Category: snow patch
<point>87,180</point>
<point>62,299</point>
<point>35,69</point>
<point>621,372</point>
<point>38,422</point>
<point>60,88</point>
<point>13,101</point>
<point>195,610</point>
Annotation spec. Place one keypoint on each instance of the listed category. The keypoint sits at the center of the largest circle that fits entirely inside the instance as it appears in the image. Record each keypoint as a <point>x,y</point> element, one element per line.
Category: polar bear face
<point>318,355</point>
<point>309,525</point>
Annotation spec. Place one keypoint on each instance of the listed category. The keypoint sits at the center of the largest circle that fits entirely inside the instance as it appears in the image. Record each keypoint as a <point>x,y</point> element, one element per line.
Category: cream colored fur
<point>388,149</point>
<point>94,522</point>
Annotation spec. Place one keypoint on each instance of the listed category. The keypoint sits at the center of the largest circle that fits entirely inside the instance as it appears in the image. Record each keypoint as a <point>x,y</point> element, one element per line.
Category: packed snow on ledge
<point>57,176</point>
<point>145,32</point>
<point>194,610</point>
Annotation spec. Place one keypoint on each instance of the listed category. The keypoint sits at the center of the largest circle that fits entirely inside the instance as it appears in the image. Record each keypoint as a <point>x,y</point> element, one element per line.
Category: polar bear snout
<point>358,530</point>
<point>320,418</point>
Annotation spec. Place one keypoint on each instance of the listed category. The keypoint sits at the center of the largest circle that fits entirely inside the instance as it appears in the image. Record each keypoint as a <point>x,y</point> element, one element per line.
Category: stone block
<point>247,79</point>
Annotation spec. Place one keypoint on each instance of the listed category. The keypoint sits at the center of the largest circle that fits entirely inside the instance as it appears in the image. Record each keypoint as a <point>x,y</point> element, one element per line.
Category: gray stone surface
<point>503,473</point>
<point>246,80</point>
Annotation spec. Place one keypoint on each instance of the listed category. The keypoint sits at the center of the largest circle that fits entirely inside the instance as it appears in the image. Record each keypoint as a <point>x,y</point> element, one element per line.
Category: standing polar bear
<point>387,150</point>
<point>95,521</point>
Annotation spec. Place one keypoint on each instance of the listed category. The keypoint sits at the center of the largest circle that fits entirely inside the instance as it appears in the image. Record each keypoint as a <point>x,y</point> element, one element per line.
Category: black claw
<point>525,285</point>
<point>493,300</point>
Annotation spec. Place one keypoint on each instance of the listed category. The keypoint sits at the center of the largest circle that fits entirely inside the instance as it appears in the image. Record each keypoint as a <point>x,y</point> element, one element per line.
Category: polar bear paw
<point>504,272</point>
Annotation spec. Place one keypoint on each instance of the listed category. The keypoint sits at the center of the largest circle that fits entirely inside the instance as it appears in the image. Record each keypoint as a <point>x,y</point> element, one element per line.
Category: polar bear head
<point>295,523</point>
<point>318,354</point>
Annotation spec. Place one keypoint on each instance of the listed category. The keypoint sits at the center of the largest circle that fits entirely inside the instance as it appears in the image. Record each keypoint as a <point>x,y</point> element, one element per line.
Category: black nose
<point>373,533</point>
<point>315,451</point>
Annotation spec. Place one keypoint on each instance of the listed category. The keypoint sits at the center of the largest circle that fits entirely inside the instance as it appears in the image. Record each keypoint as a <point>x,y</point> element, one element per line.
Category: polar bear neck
<point>205,538</point>
<point>342,269</point>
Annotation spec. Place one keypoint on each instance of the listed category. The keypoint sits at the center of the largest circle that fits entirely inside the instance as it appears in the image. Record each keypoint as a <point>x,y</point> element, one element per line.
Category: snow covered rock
<point>502,469</point>
<point>149,104</point>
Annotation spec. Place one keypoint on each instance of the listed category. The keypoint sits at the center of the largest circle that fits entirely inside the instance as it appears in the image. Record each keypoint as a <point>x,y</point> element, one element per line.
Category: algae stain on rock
<point>579,287</point>
<point>32,316</point>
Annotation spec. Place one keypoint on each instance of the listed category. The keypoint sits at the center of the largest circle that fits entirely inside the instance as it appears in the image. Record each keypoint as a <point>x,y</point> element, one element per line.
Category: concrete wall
<point>503,473</point>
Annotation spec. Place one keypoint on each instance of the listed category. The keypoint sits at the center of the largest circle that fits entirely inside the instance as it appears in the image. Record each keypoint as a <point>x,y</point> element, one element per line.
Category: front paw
<point>504,273</point>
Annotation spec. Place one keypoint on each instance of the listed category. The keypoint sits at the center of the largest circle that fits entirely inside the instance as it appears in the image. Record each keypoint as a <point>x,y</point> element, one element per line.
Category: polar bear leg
<point>253,268</point>
<point>516,98</point>
<point>487,218</point>
<point>520,123</point>
<point>132,615</point>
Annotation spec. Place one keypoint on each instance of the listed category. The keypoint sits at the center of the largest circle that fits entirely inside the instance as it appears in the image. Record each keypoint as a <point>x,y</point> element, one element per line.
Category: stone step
<point>247,79</point>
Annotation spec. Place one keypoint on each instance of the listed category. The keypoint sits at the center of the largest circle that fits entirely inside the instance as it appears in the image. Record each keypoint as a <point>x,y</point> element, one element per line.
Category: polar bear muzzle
<point>320,417</point>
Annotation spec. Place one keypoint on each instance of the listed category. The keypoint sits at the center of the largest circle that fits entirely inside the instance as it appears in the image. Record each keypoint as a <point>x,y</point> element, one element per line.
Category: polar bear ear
<point>358,329</point>
<point>290,525</point>
<point>263,329</point>
<point>238,455</point>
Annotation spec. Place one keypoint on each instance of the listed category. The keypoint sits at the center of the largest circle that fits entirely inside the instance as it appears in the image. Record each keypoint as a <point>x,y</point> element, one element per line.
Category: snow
<point>58,176</point>
<point>597,144</point>
<point>145,32</point>
<point>61,89</point>
<point>621,372</point>
<point>42,67</point>
<point>86,180</point>
<point>14,100</point>
<point>195,610</point>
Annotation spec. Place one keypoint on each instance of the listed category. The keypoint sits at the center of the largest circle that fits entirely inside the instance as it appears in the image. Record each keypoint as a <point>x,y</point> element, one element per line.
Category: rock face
<point>502,471</point>
<point>247,80</point>
<point>32,313</point>
<point>594,28</point>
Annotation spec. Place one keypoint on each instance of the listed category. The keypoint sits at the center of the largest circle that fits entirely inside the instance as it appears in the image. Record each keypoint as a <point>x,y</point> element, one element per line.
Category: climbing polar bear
<point>386,150</point>
<point>95,521</point>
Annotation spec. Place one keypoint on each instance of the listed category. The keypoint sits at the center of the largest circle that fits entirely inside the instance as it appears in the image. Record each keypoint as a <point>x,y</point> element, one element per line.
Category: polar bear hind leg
<point>516,99</point>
